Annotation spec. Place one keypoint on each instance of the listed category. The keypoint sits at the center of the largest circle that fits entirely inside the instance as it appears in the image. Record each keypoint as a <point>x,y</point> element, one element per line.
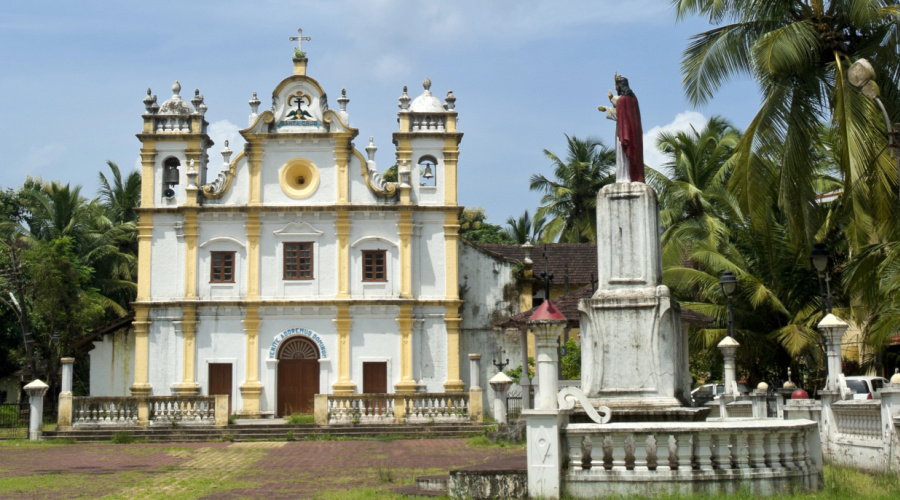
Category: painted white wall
<point>279,151</point>
<point>315,227</point>
<point>427,195</point>
<point>112,364</point>
<point>217,233</point>
<point>374,336</point>
<point>430,278</point>
<point>374,231</point>
<point>167,257</point>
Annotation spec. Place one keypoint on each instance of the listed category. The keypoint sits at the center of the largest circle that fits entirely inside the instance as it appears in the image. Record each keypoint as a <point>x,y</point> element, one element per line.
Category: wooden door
<point>298,383</point>
<point>374,377</point>
<point>220,380</point>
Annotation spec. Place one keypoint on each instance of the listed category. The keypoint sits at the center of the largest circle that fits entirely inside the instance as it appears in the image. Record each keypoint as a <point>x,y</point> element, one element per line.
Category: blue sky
<point>73,74</point>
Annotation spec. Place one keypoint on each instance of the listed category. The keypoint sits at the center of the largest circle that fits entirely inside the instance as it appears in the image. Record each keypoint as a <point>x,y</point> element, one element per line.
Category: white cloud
<point>221,131</point>
<point>44,156</point>
<point>682,122</point>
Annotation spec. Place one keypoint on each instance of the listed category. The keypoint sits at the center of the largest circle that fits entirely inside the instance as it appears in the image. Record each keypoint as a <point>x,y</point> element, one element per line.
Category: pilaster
<point>141,387</point>
<point>343,385</point>
<point>342,157</point>
<point>451,157</point>
<point>148,161</point>
<point>452,320</point>
<point>254,159</point>
<point>251,388</point>
<point>405,229</point>
<point>406,384</point>
<point>253,226</point>
<point>144,237</point>
<point>190,254</point>
<point>451,238</point>
<point>188,385</point>
<point>342,228</point>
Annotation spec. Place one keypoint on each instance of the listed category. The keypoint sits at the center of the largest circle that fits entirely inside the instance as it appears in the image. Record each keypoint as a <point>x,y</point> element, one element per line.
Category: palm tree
<point>526,228</point>
<point>798,52</point>
<point>694,204</point>
<point>122,197</point>
<point>570,199</point>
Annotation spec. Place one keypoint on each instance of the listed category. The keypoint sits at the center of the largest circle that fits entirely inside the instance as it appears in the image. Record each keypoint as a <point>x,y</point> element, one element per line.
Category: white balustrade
<point>437,407</point>
<point>675,452</point>
<point>858,419</point>
<point>182,410</point>
<point>365,409</point>
<point>104,411</point>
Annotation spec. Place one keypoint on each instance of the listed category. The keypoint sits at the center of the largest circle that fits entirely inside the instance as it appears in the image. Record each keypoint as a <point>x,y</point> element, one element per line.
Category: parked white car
<point>708,392</point>
<point>865,387</point>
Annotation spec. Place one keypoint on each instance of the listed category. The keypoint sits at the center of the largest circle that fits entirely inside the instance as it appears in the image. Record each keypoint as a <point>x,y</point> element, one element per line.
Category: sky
<point>525,74</point>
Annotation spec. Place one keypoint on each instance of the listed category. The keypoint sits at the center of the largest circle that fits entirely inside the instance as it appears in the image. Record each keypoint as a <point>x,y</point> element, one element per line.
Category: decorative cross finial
<point>546,275</point>
<point>299,39</point>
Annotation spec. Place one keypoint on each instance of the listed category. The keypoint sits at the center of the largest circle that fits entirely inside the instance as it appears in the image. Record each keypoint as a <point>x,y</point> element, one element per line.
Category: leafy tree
<point>122,197</point>
<point>390,175</point>
<point>526,228</point>
<point>569,200</point>
<point>473,226</point>
<point>571,362</point>
<point>799,52</point>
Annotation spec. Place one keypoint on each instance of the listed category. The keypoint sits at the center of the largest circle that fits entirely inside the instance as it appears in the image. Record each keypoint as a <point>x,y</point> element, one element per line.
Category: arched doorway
<point>298,376</point>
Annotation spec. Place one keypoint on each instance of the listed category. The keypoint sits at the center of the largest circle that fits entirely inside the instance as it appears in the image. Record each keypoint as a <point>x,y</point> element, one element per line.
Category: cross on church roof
<point>299,39</point>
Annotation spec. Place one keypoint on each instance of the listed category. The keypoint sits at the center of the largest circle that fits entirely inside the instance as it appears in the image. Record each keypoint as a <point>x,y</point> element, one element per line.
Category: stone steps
<point>265,432</point>
<point>425,486</point>
<point>505,478</point>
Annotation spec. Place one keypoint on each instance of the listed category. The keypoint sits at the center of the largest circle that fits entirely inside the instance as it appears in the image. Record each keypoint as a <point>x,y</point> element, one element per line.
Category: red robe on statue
<point>631,135</point>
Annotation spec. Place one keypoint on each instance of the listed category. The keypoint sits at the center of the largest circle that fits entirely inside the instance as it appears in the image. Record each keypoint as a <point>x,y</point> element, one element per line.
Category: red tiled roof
<point>547,312</point>
<point>568,307</point>
<point>578,260</point>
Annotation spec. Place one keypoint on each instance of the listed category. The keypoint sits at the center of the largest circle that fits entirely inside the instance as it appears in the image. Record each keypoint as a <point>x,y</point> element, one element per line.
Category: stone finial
<point>762,387</point>
<point>176,88</point>
<point>36,388</point>
<point>226,155</point>
<point>202,106</point>
<point>404,100</point>
<point>895,379</point>
<point>370,149</point>
<point>254,103</point>
<point>527,248</point>
<point>196,100</point>
<point>427,84</point>
<point>343,100</point>
<point>450,101</point>
<point>149,100</point>
<point>500,381</point>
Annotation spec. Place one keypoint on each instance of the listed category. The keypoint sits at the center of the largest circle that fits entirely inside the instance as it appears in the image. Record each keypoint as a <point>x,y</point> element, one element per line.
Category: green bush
<point>123,438</point>
<point>299,418</point>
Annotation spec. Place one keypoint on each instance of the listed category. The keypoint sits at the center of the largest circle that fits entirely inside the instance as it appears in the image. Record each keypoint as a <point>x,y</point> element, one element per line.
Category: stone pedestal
<point>544,452</point>
<point>64,405</point>
<point>632,349</point>
<point>500,384</point>
<point>728,347</point>
<point>833,329</point>
<point>36,391</point>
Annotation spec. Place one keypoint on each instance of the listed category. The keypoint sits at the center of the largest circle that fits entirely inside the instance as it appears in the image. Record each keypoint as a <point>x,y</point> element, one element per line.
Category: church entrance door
<point>298,376</point>
<point>220,380</point>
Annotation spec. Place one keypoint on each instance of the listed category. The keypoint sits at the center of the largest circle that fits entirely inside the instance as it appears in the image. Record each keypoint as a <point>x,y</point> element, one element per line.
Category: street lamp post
<point>820,259</point>
<point>729,285</point>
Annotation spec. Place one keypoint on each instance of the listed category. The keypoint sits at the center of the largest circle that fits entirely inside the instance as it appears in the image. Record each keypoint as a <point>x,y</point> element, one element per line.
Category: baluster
<point>682,455</point>
<point>606,444</point>
<point>740,452</point>
<point>619,452</point>
<point>643,452</point>
<point>757,451</point>
<point>719,452</point>
<point>786,452</point>
<point>664,455</point>
<point>576,454</point>
<point>798,440</point>
<point>703,451</point>
<point>770,442</point>
<point>585,461</point>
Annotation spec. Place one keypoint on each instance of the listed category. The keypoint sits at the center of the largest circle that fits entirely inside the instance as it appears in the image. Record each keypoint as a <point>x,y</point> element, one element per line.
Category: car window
<point>877,384</point>
<point>704,390</point>
<point>858,386</point>
<point>720,389</point>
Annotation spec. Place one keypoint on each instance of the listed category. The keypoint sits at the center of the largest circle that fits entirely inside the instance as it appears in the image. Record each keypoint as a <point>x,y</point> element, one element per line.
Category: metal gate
<point>14,419</point>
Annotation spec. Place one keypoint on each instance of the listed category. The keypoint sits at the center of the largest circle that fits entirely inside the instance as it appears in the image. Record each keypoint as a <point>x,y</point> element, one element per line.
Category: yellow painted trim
<point>251,388</point>
<point>209,191</point>
<point>300,66</point>
<point>144,237</point>
<point>405,320</point>
<point>253,228</point>
<point>299,178</point>
<point>451,158</point>
<point>254,156</point>
<point>452,320</point>
<point>405,229</point>
<point>342,228</point>
<point>342,158</point>
<point>451,237</point>
<point>188,385</point>
<point>148,183</point>
<point>141,324</point>
<point>389,189</point>
<point>191,231</point>
<point>343,321</point>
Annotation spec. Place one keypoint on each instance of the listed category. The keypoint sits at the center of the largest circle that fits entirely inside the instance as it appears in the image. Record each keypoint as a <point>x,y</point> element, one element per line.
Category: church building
<point>295,269</point>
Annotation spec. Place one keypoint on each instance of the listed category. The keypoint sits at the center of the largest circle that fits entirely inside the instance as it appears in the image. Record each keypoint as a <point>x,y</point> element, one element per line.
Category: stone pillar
<point>500,383</point>
<point>525,380</point>
<point>251,388</point>
<point>474,371</point>
<point>758,397</point>
<point>36,391</point>
<point>890,406</point>
<point>342,229</point>
<point>64,408</point>
<point>141,387</point>
<point>406,384</point>
<point>405,231</point>
<point>476,399</point>
<point>546,331</point>
<point>188,385</point>
<point>452,320</point>
<point>833,329</point>
<point>728,346</point>
<point>343,385</point>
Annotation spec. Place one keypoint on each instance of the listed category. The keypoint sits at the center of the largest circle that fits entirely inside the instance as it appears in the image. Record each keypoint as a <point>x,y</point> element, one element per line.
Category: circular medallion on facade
<point>299,178</point>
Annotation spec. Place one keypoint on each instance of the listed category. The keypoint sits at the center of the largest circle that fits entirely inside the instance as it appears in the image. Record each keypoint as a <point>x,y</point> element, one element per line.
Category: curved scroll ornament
<point>379,186</point>
<point>569,395</point>
<point>222,183</point>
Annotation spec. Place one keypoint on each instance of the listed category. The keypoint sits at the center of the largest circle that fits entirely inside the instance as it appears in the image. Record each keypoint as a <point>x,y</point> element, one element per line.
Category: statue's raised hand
<point>610,94</point>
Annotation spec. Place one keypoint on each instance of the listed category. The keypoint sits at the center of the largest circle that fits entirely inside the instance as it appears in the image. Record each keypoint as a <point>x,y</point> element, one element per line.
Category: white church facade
<point>295,270</point>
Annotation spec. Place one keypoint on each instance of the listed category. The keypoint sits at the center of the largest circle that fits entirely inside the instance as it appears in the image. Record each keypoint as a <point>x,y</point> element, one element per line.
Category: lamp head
<point>728,283</point>
<point>819,257</point>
